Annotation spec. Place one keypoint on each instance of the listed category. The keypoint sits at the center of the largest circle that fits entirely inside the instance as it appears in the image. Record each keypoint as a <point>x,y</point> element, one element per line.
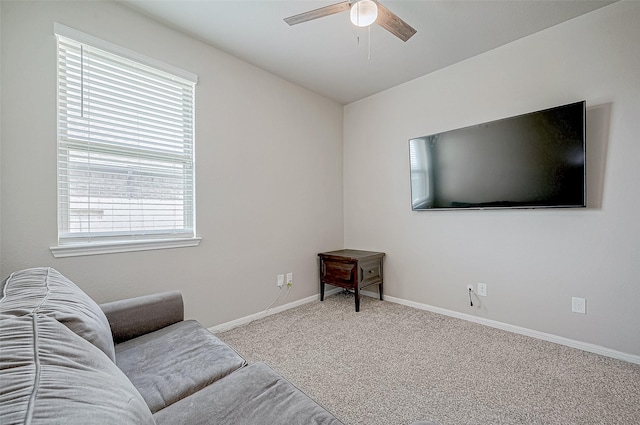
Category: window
<point>125,150</point>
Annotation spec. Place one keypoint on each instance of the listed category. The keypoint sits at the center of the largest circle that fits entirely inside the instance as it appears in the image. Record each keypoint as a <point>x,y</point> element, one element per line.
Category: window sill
<point>77,250</point>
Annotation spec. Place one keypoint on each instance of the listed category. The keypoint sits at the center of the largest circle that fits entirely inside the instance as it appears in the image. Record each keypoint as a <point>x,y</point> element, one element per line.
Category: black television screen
<point>535,160</point>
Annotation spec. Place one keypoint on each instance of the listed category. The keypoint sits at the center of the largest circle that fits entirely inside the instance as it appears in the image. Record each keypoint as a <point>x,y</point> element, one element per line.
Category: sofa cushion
<point>44,291</point>
<point>51,375</point>
<point>254,395</point>
<point>174,362</point>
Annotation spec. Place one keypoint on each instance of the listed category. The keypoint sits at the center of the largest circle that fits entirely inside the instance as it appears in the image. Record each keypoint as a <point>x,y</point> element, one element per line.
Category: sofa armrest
<point>133,317</point>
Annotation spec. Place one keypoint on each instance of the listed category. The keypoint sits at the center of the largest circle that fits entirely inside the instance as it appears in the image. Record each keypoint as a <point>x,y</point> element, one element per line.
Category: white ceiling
<point>330,55</point>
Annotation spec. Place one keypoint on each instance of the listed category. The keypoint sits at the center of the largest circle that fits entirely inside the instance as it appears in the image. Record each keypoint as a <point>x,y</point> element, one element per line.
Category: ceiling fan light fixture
<point>364,12</point>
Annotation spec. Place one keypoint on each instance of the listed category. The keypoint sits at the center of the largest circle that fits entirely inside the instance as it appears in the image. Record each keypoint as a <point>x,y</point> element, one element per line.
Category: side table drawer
<point>370,272</point>
<point>338,272</point>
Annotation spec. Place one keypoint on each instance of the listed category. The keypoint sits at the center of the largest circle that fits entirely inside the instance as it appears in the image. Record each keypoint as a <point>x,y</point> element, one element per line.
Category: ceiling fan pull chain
<point>369,57</point>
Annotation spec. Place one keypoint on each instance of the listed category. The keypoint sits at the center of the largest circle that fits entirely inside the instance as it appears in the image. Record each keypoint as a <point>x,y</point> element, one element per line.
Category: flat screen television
<point>535,160</point>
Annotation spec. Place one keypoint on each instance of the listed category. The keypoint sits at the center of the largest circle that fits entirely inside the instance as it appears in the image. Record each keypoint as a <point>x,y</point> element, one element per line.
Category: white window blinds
<point>125,149</point>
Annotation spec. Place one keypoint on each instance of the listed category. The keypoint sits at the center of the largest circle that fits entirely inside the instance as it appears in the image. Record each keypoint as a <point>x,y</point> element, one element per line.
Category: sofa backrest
<point>46,292</point>
<point>51,375</point>
<point>56,362</point>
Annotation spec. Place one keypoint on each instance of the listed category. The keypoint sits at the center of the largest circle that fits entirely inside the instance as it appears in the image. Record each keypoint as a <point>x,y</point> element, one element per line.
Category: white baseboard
<point>248,319</point>
<point>591,348</point>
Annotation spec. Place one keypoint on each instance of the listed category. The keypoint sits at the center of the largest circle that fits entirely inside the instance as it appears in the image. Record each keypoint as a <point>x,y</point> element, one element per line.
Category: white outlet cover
<point>578,305</point>
<point>482,289</point>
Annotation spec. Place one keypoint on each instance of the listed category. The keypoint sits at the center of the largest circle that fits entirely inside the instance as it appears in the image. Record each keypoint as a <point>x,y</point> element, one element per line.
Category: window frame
<point>79,244</point>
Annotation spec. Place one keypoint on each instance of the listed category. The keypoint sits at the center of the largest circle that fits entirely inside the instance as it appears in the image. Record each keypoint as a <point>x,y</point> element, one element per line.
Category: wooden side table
<point>351,269</point>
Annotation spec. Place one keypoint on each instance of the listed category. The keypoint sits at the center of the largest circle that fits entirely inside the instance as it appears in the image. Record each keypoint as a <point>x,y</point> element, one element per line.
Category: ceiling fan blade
<point>318,13</point>
<point>392,23</point>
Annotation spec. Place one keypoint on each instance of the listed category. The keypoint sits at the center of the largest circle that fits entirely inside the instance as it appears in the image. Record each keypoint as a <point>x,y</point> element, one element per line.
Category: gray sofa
<point>66,360</point>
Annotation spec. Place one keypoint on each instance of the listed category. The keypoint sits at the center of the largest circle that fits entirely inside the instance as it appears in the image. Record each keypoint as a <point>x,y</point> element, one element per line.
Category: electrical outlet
<point>289,280</point>
<point>280,280</point>
<point>578,305</point>
<point>482,289</point>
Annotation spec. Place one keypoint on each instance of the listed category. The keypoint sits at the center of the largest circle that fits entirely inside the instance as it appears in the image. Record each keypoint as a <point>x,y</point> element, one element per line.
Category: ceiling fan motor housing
<point>364,12</point>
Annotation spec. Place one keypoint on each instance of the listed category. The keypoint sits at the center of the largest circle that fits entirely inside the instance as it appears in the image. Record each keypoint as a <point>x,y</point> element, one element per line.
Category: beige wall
<point>533,261</point>
<point>268,169</point>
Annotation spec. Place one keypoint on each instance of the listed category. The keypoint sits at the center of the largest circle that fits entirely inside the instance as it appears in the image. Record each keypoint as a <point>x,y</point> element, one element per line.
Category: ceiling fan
<point>363,13</point>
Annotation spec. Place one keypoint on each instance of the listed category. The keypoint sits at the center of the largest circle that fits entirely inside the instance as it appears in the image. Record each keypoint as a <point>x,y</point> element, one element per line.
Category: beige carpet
<point>392,364</point>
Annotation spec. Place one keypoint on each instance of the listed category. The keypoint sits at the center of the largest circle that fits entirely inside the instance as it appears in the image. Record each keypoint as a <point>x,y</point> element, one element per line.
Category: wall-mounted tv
<point>535,160</point>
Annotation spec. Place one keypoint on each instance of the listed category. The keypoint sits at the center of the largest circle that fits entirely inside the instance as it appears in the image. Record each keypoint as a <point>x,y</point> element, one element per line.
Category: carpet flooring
<point>393,364</point>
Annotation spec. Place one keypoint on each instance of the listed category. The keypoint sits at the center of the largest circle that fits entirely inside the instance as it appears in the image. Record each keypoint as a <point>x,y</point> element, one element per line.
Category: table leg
<point>357,297</point>
<point>321,291</point>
